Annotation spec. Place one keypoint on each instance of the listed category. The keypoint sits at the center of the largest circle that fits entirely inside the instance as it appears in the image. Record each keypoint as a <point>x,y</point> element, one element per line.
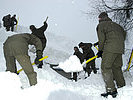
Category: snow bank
<point>9,86</point>
<point>71,65</point>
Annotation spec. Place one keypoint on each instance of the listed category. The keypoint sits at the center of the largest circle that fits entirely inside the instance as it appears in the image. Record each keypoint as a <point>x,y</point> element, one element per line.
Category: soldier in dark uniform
<point>87,54</point>
<point>39,32</point>
<point>7,22</point>
<point>80,56</point>
<point>111,37</point>
<point>16,48</point>
<point>13,22</point>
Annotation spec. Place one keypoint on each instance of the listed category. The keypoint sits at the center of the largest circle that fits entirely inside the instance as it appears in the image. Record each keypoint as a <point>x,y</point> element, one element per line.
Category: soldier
<point>111,38</point>
<point>87,54</point>
<point>39,32</point>
<point>7,22</point>
<point>80,56</point>
<point>16,48</point>
<point>13,22</point>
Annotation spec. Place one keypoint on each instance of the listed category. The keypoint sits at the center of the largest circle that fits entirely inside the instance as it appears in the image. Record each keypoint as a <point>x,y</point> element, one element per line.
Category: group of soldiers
<point>86,54</point>
<point>16,48</point>
<point>9,22</point>
<point>111,37</point>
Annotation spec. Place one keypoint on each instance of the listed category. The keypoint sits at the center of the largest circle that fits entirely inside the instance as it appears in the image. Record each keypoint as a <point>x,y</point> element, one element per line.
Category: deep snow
<point>51,85</point>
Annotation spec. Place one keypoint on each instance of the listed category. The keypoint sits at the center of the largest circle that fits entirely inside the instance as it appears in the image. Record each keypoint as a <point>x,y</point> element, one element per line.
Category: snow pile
<point>10,89</point>
<point>10,85</point>
<point>71,65</point>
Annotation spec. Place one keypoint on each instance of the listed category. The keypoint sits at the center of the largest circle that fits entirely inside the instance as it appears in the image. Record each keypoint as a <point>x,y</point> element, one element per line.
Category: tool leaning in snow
<point>129,62</point>
<point>32,64</point>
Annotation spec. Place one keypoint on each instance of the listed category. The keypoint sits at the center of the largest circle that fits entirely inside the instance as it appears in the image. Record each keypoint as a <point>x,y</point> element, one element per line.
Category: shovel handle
<point>89,60</point>
<point>33,64</point>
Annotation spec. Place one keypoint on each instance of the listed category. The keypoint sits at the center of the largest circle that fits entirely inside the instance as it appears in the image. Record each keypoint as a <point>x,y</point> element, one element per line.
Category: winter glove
<point>99,54</point>
<point>38,56</point>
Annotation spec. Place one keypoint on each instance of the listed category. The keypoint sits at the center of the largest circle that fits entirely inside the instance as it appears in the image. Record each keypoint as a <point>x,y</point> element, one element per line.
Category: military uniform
<point>87,54</point>
<point>7,22</point>
<point>111,38</point>
<point>39,32</point>
<point>16,48</point>
<point>13,22</point>
<point>80,56</point>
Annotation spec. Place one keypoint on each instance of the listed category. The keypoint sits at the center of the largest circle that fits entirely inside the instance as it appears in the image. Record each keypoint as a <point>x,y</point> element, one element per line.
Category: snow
<point>53,86</point>
<point>71,65</point>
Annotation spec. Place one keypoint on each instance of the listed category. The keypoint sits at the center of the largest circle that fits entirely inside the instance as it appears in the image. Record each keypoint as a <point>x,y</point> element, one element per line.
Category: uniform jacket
<point>6,21</point>
<point>79,55</point>
<point>18,44</point>
<point>13,21</point>
<point>39,32</point>
<point>111,36</point>
<point>87,51</point>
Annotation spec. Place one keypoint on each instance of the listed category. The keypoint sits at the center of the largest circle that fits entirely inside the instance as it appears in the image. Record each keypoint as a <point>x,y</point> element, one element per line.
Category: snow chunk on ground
<point>71,65</point>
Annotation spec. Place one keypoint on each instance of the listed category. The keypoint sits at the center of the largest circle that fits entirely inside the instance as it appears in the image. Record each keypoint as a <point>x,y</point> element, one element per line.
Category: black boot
<point>113,94</point>
<point>95,71</point>
<point>39,66</point>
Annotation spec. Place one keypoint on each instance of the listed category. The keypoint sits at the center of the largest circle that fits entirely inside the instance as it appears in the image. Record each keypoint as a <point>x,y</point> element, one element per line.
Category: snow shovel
<point>96,47</point>
<point>51,65</point>
<point>89,60</point>
<point>33,63</point>
<point>46,19</point>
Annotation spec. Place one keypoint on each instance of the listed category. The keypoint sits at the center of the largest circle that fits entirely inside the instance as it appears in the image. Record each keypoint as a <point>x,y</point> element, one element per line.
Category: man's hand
<point>99,54</point>
<point>38,56</point>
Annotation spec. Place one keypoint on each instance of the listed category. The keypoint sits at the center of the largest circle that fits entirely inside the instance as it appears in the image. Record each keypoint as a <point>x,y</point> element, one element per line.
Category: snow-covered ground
<point>51,85</point>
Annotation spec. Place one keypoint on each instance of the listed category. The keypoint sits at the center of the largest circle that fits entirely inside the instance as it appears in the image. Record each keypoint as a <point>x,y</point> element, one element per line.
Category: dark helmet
<point>32,27</point>
<point>14,15</point>
<point>81,44</point>
<point>76,48</point>
<point>103,15</point>
<point>9,15</point>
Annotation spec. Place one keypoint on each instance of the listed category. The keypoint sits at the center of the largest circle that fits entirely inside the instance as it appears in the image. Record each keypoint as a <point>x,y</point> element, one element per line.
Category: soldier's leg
<point>43,45</point>
<point>117,71</point>
<point>107,73</point>
<point>88,68</point>
<point>25,62</point>
<point>93,66</point>
<point>10,60</point>
<point>12,28</point>
<point>10,64</point>
<point>75,76</point>
<point>7,28</point>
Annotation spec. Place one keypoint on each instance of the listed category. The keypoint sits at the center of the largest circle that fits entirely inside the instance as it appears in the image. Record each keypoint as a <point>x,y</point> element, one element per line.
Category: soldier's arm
<point>16,21</point>
<point>44,27</point>
<point>101,37</point>
<point>36,42</point>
